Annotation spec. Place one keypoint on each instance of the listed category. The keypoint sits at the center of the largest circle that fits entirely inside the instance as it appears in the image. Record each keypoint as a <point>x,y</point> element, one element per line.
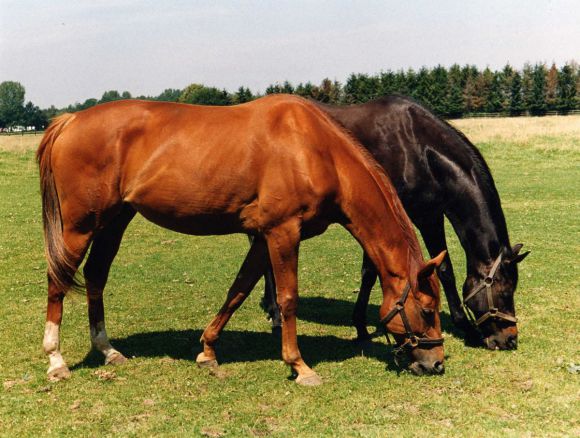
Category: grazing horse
<point>277,168</point>
<point>438,172</point>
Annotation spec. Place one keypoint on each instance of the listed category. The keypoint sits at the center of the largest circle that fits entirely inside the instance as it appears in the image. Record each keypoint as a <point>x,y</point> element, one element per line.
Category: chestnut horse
<point>438,172</point>
<point>277,168</point>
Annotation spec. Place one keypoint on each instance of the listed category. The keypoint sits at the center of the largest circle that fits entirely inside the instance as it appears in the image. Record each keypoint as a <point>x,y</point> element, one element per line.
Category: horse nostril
<point>512,342</point>
<point>438,367</point>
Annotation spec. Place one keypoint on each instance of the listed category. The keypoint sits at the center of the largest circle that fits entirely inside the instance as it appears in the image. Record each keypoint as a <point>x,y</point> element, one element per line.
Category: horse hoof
<point>58,374</point>
<point>116,359</point>
<point>205,362</point>
<point>309,380</point>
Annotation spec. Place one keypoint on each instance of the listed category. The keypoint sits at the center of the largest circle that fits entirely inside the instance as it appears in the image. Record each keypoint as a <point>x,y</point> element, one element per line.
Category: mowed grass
<point>165,287</point>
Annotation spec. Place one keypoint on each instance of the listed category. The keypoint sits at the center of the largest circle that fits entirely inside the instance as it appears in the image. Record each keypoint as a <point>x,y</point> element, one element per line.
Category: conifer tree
<point>455,106</point>
<point>438,90</point>
<point>538,96</point>
<point>527,86</point>
<point>506,79</point>
<point>470,99</point>
<point>400,84</point>
<point>516,105</point>
<point>423,90</point>
<point>242,95</point>
<point>305,90</point>
<point>388,83</point>
<point>566,89</point>
<point>493,102</point>
<point>552,88</point>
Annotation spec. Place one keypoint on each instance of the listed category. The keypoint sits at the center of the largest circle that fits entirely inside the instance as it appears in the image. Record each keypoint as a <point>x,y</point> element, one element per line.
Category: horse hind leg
<point>96,271</point>
<point>76,244</point>
<point>252,269</point>
<point>268,301</point>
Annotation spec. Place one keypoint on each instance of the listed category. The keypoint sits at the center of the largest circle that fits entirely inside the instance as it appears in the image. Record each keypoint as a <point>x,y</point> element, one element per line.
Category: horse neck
<point>477,216</point>
<point>376,218</point>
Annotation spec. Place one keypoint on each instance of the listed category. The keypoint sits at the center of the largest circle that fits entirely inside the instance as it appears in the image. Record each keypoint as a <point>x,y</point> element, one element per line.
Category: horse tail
<point>61,264</point>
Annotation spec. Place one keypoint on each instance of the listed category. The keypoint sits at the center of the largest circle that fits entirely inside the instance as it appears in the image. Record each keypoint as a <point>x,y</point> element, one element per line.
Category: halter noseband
<point>413,341</point>
<point>493,311</point>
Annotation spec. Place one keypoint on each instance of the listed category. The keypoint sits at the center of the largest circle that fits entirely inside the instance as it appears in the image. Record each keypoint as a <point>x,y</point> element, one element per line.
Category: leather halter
<point>413,341</point>
<point>493,311</point>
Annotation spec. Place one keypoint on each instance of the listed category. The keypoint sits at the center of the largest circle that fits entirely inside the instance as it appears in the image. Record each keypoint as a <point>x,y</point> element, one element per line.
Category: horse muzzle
<point>427,368</point>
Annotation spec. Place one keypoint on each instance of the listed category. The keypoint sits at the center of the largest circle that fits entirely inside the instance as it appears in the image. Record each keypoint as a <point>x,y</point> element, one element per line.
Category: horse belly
<point>191,205</point>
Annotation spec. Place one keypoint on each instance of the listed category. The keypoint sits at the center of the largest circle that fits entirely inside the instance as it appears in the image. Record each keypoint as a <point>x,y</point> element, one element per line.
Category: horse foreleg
<point>283,242</point>
<point>252,269</point>
<point>433,233</point>
<point>76,244</point>
<point>369,276</point>
<point>103,251</point>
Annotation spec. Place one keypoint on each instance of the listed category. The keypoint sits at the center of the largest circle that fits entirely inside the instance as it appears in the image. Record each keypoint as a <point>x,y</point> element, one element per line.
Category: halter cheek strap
<point>493,311</point>
<point>412,341</point>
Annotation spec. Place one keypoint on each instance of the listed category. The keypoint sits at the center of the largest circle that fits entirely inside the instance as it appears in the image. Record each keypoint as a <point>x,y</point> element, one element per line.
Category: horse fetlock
<point>51,342</point>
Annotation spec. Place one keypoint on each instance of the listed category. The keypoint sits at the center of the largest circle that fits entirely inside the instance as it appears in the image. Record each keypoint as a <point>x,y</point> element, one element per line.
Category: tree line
<point>453,92</point>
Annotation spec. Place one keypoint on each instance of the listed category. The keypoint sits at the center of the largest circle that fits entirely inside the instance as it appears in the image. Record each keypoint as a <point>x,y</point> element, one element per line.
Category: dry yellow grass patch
<point>19,143</point>
<point>547,133</point>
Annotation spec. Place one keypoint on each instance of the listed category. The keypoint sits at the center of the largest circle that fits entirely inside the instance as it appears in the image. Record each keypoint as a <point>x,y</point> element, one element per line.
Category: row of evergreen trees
<point>450,92</point>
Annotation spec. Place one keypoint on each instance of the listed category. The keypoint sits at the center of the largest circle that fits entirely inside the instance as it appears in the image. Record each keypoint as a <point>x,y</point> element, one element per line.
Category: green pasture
<point>165,287</point>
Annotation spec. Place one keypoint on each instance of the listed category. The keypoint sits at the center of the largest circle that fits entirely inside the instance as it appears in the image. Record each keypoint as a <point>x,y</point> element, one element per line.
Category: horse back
<point>194,169</point>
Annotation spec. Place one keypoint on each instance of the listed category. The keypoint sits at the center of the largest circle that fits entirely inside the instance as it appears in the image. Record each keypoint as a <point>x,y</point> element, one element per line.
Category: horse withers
<point>277,168</point>
<point>439,173</point>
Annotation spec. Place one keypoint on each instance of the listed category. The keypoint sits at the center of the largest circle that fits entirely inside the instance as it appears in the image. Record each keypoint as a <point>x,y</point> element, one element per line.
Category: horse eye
<point>427,312</point>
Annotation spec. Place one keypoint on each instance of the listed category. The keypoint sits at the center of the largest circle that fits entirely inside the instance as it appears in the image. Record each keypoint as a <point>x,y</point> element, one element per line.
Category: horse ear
<point>516,248</point>
<point>515,256</point>
<point>431,265</point>
<point>519,257</point>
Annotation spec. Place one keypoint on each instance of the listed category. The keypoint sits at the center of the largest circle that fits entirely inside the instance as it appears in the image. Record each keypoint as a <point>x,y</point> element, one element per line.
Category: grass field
<point>165,287</point>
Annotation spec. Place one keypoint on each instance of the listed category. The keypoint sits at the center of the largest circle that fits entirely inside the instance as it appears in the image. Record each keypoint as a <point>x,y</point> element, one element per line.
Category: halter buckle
<point>493,312</point>
<point>413,341</point>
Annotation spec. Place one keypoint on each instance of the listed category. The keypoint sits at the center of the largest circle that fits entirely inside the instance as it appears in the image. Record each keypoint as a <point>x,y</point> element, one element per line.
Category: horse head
<point>489,296</point>
<point>417,330</point>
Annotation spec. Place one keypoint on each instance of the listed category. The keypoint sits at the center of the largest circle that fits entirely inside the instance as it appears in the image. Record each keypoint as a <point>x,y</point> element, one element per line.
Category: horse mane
<point>482,170</point>
<point>385,184</point>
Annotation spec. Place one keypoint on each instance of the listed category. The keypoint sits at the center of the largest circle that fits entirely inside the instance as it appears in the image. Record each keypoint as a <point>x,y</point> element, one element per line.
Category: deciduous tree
<point>11,103</point>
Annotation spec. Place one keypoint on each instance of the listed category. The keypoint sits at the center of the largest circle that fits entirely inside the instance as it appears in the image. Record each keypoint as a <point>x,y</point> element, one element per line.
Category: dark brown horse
<point>278,169</point>
<point>437,172</point>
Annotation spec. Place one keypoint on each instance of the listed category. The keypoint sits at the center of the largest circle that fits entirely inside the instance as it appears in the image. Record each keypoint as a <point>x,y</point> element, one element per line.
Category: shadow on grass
<point>331,311</point>
<point>242,346</point>
<point>246,346</point>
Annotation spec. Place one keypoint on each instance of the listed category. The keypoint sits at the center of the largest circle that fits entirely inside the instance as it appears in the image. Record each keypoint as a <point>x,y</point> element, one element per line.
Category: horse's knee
<point>288,303</point>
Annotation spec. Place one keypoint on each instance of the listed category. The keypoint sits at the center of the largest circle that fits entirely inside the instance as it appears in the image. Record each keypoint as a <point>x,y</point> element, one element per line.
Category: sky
<point>68,51</point>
